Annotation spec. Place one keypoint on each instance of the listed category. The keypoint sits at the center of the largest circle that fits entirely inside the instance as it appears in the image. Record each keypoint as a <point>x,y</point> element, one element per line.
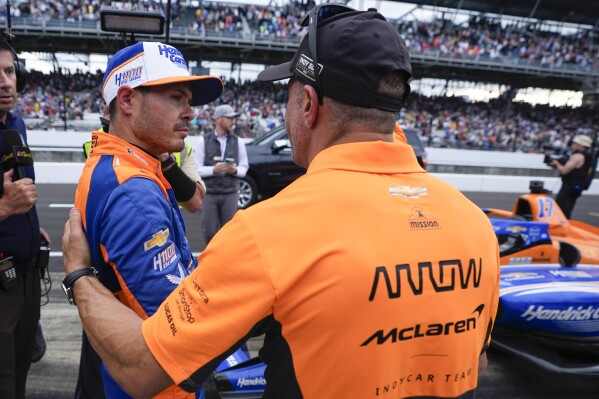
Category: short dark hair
<point>5,45</point>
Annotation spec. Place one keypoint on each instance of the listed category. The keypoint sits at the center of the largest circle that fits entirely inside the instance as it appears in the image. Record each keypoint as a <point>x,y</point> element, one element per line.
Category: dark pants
<point>89,379</point>
<point>19,315</point>
<point>566,199</point>
<point>217,209</point>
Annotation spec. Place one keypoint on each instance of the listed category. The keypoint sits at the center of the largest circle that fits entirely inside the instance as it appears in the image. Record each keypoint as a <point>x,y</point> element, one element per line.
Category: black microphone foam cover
<point>10,139</point>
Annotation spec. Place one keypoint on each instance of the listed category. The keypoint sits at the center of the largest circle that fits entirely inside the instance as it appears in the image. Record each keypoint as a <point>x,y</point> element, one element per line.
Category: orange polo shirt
<point>370,277</point>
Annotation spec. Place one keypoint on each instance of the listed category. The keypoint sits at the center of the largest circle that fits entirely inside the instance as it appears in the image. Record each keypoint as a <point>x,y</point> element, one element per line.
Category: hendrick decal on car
<point>561,314</point>
<point>251,382</point>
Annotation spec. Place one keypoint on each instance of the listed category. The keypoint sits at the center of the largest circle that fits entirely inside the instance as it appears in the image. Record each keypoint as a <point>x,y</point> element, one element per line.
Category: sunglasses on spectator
<point>318,14</point>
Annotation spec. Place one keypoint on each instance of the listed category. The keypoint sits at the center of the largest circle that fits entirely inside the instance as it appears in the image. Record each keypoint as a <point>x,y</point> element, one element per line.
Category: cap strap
<point>387,103</point>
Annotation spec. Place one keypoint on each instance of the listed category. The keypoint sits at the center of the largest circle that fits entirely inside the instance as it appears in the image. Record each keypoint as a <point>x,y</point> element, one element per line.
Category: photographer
<point>575,173</point>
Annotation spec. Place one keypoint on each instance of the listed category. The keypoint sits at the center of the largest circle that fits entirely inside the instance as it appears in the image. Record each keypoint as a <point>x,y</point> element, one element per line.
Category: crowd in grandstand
<point>497,125</point>
<point>486,37</point>
<point>478,37</point>
<point>444,121</point>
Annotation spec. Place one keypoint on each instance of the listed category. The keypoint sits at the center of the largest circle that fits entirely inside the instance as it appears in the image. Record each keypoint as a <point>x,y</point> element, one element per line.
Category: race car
<point>549,315</point>
<point>536,231</point>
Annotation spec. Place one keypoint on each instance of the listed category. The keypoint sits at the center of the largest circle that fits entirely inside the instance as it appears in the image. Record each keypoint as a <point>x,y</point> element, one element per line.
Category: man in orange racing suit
<point>369,277</point>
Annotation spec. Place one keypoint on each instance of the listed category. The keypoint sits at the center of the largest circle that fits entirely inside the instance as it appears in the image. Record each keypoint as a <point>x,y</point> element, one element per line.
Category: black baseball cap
<point>355,50</point>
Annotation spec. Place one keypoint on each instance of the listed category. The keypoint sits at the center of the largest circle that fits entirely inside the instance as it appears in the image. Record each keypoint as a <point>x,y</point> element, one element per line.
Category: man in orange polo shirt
<point>368,276</point>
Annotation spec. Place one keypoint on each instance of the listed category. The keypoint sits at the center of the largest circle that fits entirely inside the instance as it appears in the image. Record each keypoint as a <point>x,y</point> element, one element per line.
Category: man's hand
<point>75,250</point>
<point>19,196</point>
<point>223,168</point>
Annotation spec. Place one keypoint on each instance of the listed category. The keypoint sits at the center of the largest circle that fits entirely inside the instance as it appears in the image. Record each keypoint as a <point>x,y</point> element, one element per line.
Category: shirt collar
<point>108,144</point>
<point>370,157</point>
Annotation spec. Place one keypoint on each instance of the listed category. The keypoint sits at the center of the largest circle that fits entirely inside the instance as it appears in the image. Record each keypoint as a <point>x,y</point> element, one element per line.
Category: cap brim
<point>277,72</point>
<point>204,89</point>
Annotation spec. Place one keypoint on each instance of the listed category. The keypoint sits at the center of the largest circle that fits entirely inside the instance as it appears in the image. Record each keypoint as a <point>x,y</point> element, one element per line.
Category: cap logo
<point>173,55</point>
<point>305,66</point>
<point>128,76</point>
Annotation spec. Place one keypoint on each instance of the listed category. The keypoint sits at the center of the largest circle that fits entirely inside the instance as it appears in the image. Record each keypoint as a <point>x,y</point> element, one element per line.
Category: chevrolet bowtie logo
<point>408,191</point>
<point>157,240</point>
<point>515,229</point>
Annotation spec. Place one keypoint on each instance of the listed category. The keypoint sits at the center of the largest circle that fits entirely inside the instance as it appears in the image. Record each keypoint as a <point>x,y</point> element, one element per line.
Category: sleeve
<point>200,154</point>
<point>214,309</point>
<point>189,165</point>
<point>243,165</point>
<point>143,244</point>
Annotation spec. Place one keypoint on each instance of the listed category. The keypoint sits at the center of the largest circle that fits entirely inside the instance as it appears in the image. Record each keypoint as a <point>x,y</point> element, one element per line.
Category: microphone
<point>14,153</point>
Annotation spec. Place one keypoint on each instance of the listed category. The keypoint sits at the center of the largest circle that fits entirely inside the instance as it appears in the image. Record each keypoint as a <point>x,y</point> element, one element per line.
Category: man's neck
<point>220,132</point>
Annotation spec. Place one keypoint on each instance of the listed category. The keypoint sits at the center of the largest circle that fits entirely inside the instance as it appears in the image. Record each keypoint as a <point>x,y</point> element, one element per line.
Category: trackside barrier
<point>69,172</point>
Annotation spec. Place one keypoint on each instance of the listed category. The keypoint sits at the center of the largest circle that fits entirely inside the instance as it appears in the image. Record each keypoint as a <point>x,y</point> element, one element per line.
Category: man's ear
<point>310,105</point>
<point>124,97</point>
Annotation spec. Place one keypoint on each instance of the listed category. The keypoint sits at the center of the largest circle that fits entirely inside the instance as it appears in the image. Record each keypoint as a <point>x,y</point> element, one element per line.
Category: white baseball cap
<point>153,64</point>
<point>583,140</point>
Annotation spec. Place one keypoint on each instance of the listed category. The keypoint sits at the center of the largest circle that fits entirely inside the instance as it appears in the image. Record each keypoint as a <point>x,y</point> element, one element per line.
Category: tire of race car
<point>248,192</point>
<point>210,389</point>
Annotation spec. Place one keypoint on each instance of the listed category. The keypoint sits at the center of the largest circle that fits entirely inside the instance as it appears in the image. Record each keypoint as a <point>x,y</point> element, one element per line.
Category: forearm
<point>195,202</point>
<point>561,169</point>
<point>115,333</point>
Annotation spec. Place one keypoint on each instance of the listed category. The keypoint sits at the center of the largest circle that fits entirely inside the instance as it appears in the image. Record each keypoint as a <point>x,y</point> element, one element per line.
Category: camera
<point>560,157</point>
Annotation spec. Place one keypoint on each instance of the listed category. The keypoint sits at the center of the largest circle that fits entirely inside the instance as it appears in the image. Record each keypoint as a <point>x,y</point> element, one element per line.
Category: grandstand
<point>516,44</point>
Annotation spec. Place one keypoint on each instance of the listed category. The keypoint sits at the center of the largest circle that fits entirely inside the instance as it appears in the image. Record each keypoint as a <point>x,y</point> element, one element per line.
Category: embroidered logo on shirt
<point>157,240</point>
<point>408,191</point>
<point>421,220</point>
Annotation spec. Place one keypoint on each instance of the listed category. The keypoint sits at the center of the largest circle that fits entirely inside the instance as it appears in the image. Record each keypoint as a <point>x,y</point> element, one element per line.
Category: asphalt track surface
<point>54,377</point>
